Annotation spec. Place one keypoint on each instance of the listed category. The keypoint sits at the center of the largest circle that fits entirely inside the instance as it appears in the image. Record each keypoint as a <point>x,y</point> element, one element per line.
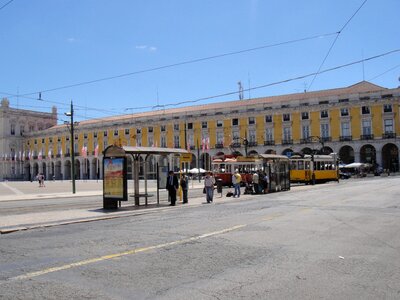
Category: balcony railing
<point>326,139</point>
<point>345,138</point>
<point>389,135</point>
<point>367,137</point>
<point>287,142</point>
<point>235,145</point>
<point>269,143</point>
<point>304,141</point>
<point>219,146</point>
<point>252,144</point>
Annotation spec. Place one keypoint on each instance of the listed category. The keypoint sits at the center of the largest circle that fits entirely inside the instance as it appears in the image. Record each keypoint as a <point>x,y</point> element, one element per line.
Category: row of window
<point>366,125</point>
<point>251,137</point>
<point>31,128</point>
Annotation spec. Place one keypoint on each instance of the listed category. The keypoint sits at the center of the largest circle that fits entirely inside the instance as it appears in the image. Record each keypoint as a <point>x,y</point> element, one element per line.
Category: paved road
<point>332,241</point>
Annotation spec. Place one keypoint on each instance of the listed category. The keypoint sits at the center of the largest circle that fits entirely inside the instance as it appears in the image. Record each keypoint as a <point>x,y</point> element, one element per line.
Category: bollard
<point>219,186</point>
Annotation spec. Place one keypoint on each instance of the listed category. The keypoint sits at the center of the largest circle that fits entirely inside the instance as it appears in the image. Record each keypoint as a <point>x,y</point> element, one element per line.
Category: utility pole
<point>188,148</point>
<point>71,114</point>
<point>198,158</point>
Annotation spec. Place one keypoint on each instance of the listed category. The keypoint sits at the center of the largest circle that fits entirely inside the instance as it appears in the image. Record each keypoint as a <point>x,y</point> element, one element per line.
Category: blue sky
<point>49,44</point>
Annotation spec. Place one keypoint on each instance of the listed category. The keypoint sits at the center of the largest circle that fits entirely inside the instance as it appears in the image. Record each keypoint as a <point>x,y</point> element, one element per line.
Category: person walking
<point>172,186</point>
<point>209,182</point>
<point>184,186</point>
<point>43,180</point>
<point>236,179</point>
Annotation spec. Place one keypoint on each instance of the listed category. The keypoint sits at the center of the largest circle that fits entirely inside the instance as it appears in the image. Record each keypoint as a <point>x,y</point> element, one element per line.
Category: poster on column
<point>115,183</point>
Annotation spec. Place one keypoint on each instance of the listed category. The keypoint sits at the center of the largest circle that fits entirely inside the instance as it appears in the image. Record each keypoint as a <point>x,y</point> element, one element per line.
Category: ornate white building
<point>15,124</point>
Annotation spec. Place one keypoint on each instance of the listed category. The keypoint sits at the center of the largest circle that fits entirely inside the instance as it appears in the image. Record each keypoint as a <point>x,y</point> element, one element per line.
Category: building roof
<point>358,88</point>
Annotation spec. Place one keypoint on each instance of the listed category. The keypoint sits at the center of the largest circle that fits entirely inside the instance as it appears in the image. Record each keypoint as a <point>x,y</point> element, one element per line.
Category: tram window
<point>293,165</point>
<point>301,165</point>
<point>307,165</point>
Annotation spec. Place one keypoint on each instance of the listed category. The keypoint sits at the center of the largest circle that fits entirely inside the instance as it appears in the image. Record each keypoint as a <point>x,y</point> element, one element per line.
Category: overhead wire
<point>196,60</point>
<point>334,42</point>
<point>387,71</point>
<point>248,89</point>
<point>273,83</point>
<point>6,4</point>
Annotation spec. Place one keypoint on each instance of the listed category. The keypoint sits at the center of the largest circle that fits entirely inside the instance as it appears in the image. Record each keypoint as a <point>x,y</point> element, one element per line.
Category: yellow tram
<point>314,168</point>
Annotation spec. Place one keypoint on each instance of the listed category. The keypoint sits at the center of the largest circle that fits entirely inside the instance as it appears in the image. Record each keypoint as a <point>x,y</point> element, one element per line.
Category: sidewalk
<point>25,190</point>
<point>18,222</point>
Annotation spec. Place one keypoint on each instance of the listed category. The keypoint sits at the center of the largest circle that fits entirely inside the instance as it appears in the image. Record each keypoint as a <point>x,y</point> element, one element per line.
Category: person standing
<point>172,186</point>
<point>236,179</point>
<point>184,186</point>
<point>266,183</point>
<point>256,183</point>
<point>209,182</point>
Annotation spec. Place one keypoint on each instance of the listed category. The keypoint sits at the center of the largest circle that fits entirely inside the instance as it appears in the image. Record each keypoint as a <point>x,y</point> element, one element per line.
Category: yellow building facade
<point>360,123</point>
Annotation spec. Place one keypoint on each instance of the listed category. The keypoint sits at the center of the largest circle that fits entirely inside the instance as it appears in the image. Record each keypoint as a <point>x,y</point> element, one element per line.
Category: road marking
<point>14,190</point>
<point>125,253</point>
<point>272,217</point>
<point>306,209</point>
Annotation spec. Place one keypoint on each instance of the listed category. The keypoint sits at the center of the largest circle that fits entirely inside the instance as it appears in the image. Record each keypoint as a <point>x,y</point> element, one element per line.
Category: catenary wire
<point>334,42</point>
<point>178,64</point>
<point>387,71</point>
<point>6,4</point>
<point>264,85</point>
<point>277,82</point>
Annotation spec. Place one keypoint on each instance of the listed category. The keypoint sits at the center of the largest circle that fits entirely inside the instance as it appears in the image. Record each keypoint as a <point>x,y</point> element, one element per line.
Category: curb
<point>8,230</point>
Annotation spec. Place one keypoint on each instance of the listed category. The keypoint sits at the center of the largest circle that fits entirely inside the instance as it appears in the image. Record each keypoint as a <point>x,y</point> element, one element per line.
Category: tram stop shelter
<point>115,175</point>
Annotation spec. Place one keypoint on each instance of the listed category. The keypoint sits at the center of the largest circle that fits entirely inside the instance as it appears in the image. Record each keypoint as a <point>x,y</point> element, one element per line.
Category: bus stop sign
<point>186,157</point>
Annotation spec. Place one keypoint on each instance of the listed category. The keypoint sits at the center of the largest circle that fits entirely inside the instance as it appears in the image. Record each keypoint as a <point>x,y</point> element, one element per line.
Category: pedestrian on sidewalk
<point>236,179</point>
<point>256,182</point>
<point>40,177</point>
<point>184,186</point>
<point>209,182</point>
<point>266,183</point>
<point>172,186</point>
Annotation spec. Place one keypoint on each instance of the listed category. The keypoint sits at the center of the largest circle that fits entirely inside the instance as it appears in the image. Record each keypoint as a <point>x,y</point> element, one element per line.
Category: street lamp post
<point>71,114</point>
<point>321,151</point>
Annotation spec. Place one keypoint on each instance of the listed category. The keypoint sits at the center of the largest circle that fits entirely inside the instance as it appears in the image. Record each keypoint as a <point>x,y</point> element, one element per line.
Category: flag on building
<point>61,154</point>
<point>84,151</point>
<point>208,144</point>
<point>49,154</point>
<point>96,151</point>
<point>40,156</point>
<point>203,144</point>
